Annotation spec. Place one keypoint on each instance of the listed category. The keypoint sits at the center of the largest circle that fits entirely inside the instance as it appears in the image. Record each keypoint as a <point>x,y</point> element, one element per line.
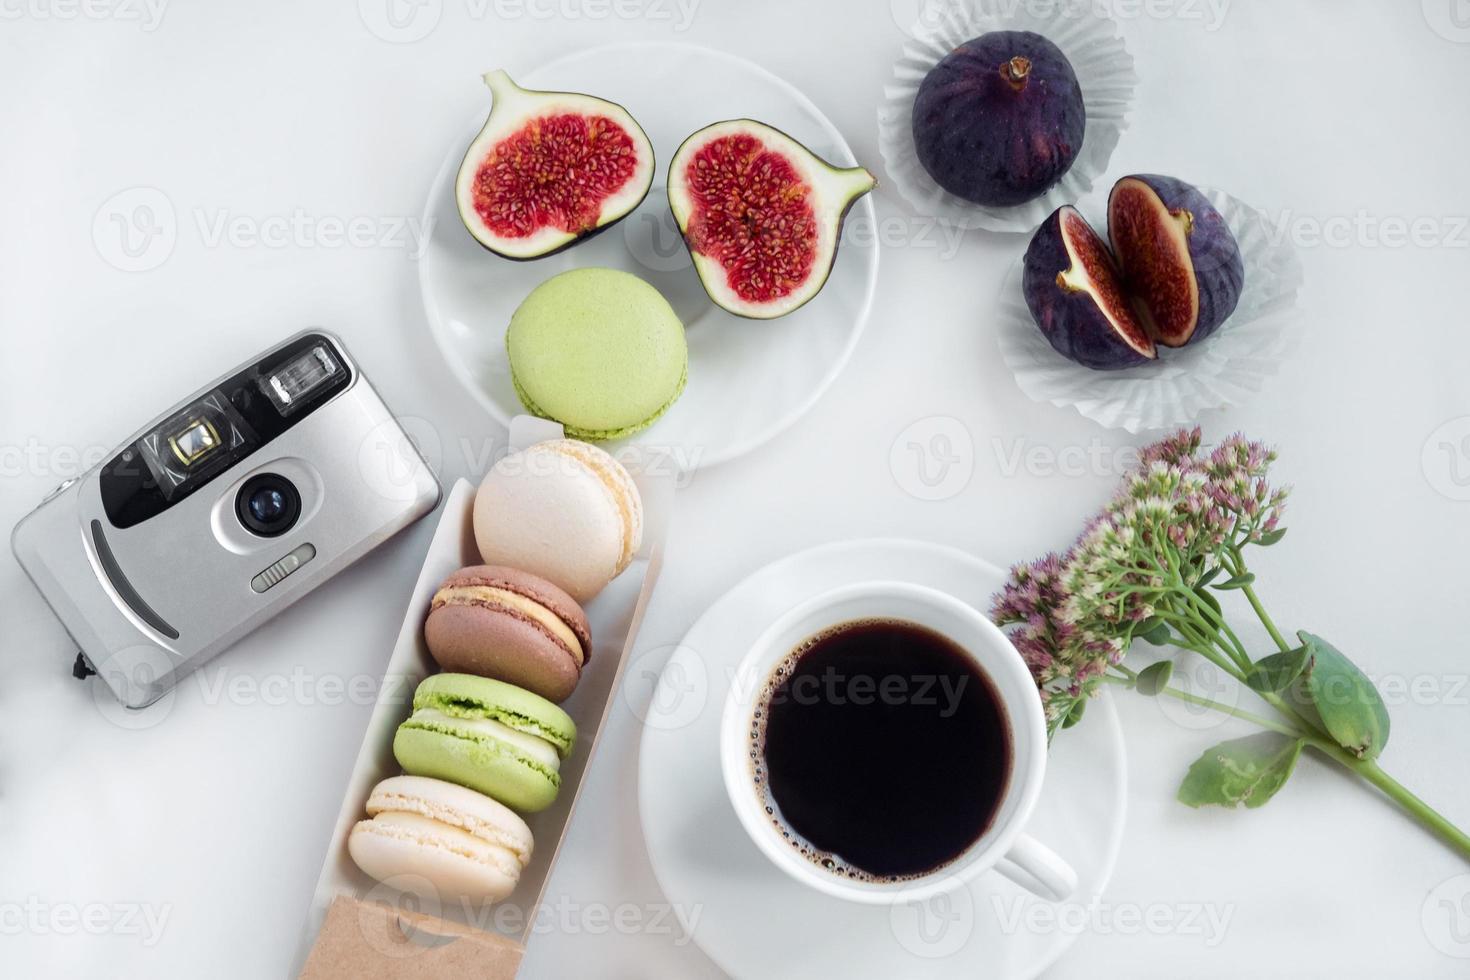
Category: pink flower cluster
<point>1176,517</point>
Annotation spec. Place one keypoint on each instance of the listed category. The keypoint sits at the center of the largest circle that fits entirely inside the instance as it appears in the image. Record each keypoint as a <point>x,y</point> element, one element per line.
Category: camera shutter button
<point>59,488</point>
<point>277,572</point>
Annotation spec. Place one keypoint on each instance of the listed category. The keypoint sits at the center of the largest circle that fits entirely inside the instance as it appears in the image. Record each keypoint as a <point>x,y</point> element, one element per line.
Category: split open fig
<point>1073,289</point>
<point>1179,260</point>
<point>1174,274</point>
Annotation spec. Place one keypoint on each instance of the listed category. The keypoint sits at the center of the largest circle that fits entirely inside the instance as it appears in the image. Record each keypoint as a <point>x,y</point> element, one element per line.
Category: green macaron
<point>598,350</point>
<point>487,735</point>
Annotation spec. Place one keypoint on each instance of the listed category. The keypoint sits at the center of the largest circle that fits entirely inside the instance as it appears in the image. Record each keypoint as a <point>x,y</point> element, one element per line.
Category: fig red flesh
<point>753,215</point>
<point>555,171</point>
<point>761,215</point>
<point>549,169</point>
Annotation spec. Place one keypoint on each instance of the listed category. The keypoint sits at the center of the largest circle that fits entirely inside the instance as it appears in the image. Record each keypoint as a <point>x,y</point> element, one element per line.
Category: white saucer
<point>752,919</point>
<point>748,379</point>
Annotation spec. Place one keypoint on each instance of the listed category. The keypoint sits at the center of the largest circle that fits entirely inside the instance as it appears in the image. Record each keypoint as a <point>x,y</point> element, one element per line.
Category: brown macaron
<point>510,625</point>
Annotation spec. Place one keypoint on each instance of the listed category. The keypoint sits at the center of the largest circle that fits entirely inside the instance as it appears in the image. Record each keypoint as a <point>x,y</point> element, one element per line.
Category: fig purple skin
<point>1072,288</point>
<point>1179,260</point>
<point>1000,119</point>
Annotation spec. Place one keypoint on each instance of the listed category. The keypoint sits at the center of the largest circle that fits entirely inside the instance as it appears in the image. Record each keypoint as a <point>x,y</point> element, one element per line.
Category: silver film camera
<point>221,513</point>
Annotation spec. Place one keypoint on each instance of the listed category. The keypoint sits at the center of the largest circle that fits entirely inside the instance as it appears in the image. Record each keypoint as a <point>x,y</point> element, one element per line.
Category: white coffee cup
<point>1004,845</point>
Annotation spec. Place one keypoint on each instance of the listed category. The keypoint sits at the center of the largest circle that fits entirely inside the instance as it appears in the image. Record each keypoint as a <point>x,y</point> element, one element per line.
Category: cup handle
<point>1038,869</point>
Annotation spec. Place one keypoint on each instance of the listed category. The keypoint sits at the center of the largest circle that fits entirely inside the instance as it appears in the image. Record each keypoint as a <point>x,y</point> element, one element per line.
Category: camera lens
<point>268,505</point>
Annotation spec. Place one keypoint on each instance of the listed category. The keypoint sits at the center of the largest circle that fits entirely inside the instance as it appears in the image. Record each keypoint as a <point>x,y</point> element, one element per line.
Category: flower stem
<point>1255,602</point>
<point>1240,647</point>
<point>1250,594</point>
<point>1217,625</point>
<point>1370,771</point>
<point>1430,818</point>
<point>1218,659</point>
<point>1421,811</point>
<point>1240,713</point>
<point>1204,640</point>
<point>1203,702</point>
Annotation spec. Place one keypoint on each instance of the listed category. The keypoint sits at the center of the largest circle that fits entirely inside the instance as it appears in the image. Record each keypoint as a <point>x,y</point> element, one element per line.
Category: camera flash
<point>299,377</point>
<point>196,441</point>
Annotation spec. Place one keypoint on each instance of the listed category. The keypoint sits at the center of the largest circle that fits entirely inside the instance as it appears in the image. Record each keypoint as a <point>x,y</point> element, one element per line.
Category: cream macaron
<point>564,510</point>
<point>427,832</point>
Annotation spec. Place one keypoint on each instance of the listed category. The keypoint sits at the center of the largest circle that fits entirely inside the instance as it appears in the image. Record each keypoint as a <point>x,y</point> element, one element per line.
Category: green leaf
<point>1243,770</point>
<point>1271,537</point>
<point>1075,714</point>
<point>1238,582</point>
<point>1207,577</point>
<point>1158,635</point>
<point>1154,678</point>
<point>1351,709</point>
<point>1276,672</point>
<point>1301,699</point>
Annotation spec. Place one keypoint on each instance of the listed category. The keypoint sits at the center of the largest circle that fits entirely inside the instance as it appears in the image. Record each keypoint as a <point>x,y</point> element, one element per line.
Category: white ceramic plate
<point>751,918</point>
<point>748,379</point>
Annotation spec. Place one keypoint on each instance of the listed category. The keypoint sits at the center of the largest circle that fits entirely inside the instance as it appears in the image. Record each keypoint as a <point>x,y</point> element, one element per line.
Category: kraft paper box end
<point>374,941</point>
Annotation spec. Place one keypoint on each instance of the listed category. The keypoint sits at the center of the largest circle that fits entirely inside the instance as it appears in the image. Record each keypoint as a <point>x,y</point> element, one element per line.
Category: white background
<point>1348,115</point>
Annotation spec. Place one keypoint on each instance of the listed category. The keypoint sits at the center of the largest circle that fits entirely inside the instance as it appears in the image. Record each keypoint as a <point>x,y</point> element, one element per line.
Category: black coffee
<point>883,751</point>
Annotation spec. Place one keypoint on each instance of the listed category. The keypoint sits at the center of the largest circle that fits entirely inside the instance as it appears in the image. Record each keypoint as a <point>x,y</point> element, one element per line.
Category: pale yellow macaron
<point>461,844</point>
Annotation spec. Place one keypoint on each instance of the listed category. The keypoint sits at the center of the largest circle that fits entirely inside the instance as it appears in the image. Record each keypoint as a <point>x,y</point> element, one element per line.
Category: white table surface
<point>1347,115</point>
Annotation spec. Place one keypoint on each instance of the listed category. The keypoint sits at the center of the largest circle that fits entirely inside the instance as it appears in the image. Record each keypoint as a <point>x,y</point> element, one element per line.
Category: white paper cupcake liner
<point>1104,69</point>
<point>1226,368</point>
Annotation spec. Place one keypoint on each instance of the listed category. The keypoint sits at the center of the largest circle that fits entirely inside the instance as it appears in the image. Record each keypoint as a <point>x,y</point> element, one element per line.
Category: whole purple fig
<point>1000,119</point>
<point>1179,261</point>
<point>1072,288</point>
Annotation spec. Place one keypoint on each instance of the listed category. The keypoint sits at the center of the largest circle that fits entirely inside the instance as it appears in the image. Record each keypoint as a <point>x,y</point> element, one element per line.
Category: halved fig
<point>761,215</point>
<point>1179,260</point>
<point>1073,290</point>
<point>549,169</point>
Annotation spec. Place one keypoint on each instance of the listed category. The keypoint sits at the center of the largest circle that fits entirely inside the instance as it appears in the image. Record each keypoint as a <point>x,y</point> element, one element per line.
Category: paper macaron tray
<point>613,614</point>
